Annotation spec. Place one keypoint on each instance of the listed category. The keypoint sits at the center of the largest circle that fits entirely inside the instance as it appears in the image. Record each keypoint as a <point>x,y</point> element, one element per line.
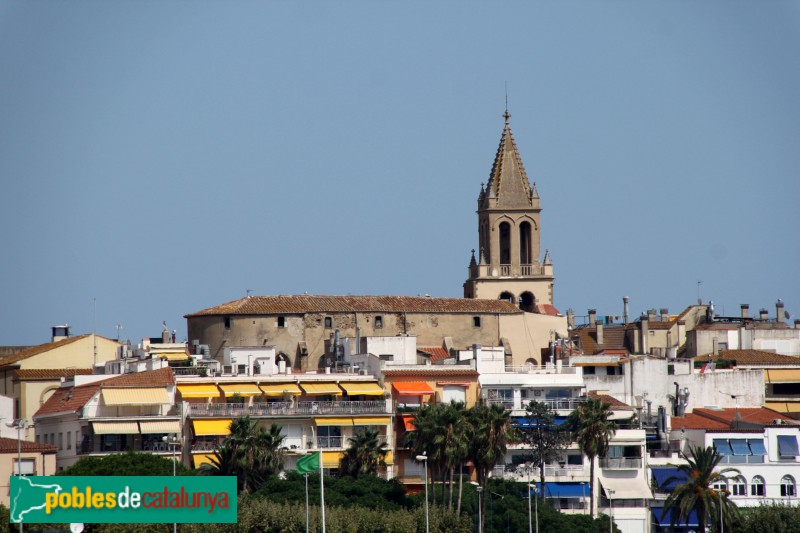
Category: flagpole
<point>306,476</point>
<point>322,490</point>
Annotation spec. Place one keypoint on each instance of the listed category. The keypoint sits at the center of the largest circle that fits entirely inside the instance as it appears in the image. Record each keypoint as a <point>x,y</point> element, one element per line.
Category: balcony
<point>621,463</point>
<point>278,409</point>
<point>545,369</point>
<point>561,404</point>
<point>329,442</point>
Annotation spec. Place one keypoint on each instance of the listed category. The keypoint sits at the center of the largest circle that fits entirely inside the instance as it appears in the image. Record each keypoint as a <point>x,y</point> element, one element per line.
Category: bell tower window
<point>505,243</point>
<point>525,243</point>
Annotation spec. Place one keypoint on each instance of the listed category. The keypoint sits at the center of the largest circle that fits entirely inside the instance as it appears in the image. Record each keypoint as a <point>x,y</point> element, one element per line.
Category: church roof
<point>508,185</point>
<point>299,304</point>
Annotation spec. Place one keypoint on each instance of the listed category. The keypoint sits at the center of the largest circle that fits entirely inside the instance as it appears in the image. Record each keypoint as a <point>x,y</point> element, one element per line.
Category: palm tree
<point>450,442</point>
<point>697,492</point>
<point>421,440</point>
<point>365,455</point>
<point>490,430</point>
<point>592,429</point>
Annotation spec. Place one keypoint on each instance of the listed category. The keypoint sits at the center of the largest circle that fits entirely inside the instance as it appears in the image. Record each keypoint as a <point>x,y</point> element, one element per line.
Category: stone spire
<point>508,185</point>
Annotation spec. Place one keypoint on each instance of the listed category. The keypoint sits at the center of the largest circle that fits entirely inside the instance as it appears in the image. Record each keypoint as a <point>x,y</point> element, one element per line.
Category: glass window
<point>787,486</point>
<point>69,440</point>
<point>739,488</point>
<point>26,467</point>
<point>328,322</point>
<point>378,322</point>
<point>757,486</point>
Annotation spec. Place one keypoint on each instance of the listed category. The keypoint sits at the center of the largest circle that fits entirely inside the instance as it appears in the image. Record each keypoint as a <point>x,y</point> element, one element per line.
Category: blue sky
<point>160,157</point>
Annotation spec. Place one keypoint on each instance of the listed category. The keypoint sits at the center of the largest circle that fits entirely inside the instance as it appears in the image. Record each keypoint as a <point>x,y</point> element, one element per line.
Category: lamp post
<point>172,441</point>
<point>527,468</point>
<point>479,489</point>
<point>20,424</point>
<point>610,511</point>
<point>424,460</point>
<point>536,503</point>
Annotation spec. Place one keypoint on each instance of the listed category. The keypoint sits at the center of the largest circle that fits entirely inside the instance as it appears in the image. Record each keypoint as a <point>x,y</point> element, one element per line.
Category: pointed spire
<point>534,192</point>
<point>547,258</point>
<point>472,262</point>
<point>508,182</point>
<point>481,257</point>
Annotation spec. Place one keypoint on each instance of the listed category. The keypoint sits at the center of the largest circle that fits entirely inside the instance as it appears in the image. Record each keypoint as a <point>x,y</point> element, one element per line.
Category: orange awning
<point>412,388</point>
<point>408,422</point>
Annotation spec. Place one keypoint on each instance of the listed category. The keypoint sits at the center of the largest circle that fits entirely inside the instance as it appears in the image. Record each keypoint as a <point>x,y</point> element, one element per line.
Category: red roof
<point>754,415</point>
<point>547,309</point>
<point>430,371</point>
<point>13,445</point>
<point>51,373</point>
<point>610,400</point>
<point>695,421</point>
<point>435,353</point>
<point>149,378</point>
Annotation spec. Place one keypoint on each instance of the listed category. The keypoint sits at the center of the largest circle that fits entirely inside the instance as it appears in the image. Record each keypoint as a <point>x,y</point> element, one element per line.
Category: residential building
<point>26,459</point>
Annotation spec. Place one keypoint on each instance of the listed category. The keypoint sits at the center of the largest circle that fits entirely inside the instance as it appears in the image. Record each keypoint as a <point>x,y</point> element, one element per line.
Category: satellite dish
<point>76,527</point>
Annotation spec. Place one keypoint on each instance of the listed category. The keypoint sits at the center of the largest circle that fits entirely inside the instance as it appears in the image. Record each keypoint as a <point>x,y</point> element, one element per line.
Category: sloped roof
<point>434,353</point>
<point>300,304</point>
<point>547,309</point>
<point>613,338</point>
<point>11,446</point>
<point>753,415</point>
<point>51,373</point>
<point>610,400</point>
<point>508,182</point>
<point>36,350</point>
<point>431,371</point>
<point>751,357</point>
<point>695,421</point>
<point>149,378</point>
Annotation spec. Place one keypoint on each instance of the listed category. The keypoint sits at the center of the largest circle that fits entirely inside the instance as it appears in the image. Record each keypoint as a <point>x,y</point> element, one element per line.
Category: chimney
<point>625,301</point>
<point>600,339</point>
<point>592,317</point>
<point>745,310</point>
<point>779,311</point>
<point>651,315</point>
<point>664,314</point>
<point>763,314</point>
<point>645,333</point>
<point>570,318</point>
<point>59,333</point>
<point>796,323</point>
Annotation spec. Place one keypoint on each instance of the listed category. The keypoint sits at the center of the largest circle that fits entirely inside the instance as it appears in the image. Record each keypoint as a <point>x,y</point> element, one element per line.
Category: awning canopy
<point>757,446</point>
<point>372,421</point>
<point>408,422</point>
<point>565,489</point>
<point>172,356</point>
<point>334,421</point>
<point>740,447</point>
<point>198,391</point>
<point>115,428</point>
<point>321,389</point>
<point>367,389</point>
<point>277,390</point>
<point>668,477</point>
<point>787,446</point>
<point>664,518</point>
<point>136,396</point>
<point>782,375</point>
<point>783,407</point>
<point>722,446</point>
<point>160,426</point>
<point>331,459</point>
<point>200,459</point>
<point>242,389</point>
<point>212,427</point>
<point>625,488</point>
<point>412,388</point>
<point>389,458</point>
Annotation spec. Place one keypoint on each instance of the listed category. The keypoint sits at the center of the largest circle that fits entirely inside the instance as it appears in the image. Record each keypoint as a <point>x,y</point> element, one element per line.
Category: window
<point>26,467</point>
<point>227,321</point>
<point>575,459</point>
<point>378,322</point>
<point>589,370</point>
<point>670,370</point>
<point>37,439</point>
<point>611,371</point>
<point>720,486</point>
<point>281,322</point>
<point>69,440</point>
<point>328,322</point>
<point>757,486</point>
<point>386,357</point>
<point>722,346</point>
<point>60,441</point>
<point>787,486</point>
<point>476,321</point>
<point>739,487</point>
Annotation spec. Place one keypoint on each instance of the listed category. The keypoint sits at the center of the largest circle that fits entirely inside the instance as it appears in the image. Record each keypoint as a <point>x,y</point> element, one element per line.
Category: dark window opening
<point>589,370</point>
<point>378,322</point>
<point>281,322</point>
<point>525,243</point>
<point>227,320</point>
<point>505,243</point>
<point>507,296</point>
<point>670,370</point>
<point>328,322</point>
<point>476,321</point>
<point>527,301</point>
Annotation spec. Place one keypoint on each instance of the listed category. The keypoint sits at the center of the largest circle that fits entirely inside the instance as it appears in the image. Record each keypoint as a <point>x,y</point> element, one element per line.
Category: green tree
<point>697,492</point>
<point>365,455</point>
<point>489,432</point>
<point>592,429</point>
<point>126,464</point>
<point>546,440</point>
<point>421,440</point>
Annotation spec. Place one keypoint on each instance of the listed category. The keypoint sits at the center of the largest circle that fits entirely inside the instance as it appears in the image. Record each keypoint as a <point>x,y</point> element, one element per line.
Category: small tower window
<point>476,321</point>
<point>281,322</point>
<point>378,321</point>
<point>328,322</point>
<point>227,321</point>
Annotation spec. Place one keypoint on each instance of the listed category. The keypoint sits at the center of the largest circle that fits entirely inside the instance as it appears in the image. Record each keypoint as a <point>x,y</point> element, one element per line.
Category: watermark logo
<point>124,499</point>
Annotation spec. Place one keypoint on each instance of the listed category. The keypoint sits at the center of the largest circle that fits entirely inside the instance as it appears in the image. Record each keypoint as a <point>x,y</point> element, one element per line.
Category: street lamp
<point>536,504</point>
<point>424,460</point>
<point>20,424</point>
<point>479,489</point>
<point>610,510</point>
<point>172,441</point>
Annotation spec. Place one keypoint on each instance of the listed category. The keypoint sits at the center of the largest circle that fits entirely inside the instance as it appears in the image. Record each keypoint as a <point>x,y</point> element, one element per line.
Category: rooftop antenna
<point>119,327</point>
<point>94,331</point>
<point>506,115</point>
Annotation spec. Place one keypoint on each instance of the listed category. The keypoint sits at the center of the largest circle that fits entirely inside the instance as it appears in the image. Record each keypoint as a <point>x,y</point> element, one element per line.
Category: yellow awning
<point>321,389</point>
<point>331,459</point>
<point>341,421</point>
<point>200,459</point>
<point>784,407</point>
<point>198,391</point>
<point>372,421</point>
<point>115,428</point>
<point>367,389</point>
<point>389,458</point>
<point>172,356</point>
<point>139,396</point>
<point>782,375</point>
<point>242,389</point>
<point>212,427</point>
<point>276,390</point>
<point>160,426</point>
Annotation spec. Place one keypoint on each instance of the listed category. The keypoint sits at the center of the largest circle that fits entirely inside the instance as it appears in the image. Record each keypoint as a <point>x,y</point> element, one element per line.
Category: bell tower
<point>508,265</point>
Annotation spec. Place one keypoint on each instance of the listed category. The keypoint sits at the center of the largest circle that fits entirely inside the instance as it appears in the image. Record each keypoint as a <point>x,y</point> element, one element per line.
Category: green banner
<point>123,499</point>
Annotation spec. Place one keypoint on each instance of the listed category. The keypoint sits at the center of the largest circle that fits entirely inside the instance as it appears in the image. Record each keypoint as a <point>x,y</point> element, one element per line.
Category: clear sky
<point>161,157</point>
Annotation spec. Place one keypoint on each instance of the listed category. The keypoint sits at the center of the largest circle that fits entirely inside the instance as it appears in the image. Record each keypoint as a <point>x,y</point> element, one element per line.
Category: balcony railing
<point>287,409</point>
<point>329,442</point>
<point>742,459</point>
<point>545,369</point>
<point>621,462</point>
<point>564,404</point>
<point>505,270</point>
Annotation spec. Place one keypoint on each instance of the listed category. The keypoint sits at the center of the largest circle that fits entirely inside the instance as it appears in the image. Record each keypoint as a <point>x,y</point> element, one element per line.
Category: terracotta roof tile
<point>431,371</point>
<point>51,373</point>
<point>751,357</point>
<point>435,353</point>
<point>610,400</point>
<point>299,304</point>
<point>150,378</point>
<point>753,415</point>
<point>613,338</point>
<point>11,446</point>
<point>42,348</point>
<point>695,421</point>
<point>547,309</point>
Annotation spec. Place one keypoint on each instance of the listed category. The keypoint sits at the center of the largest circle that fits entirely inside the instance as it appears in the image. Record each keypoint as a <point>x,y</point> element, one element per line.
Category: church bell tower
<point>508,264</point>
